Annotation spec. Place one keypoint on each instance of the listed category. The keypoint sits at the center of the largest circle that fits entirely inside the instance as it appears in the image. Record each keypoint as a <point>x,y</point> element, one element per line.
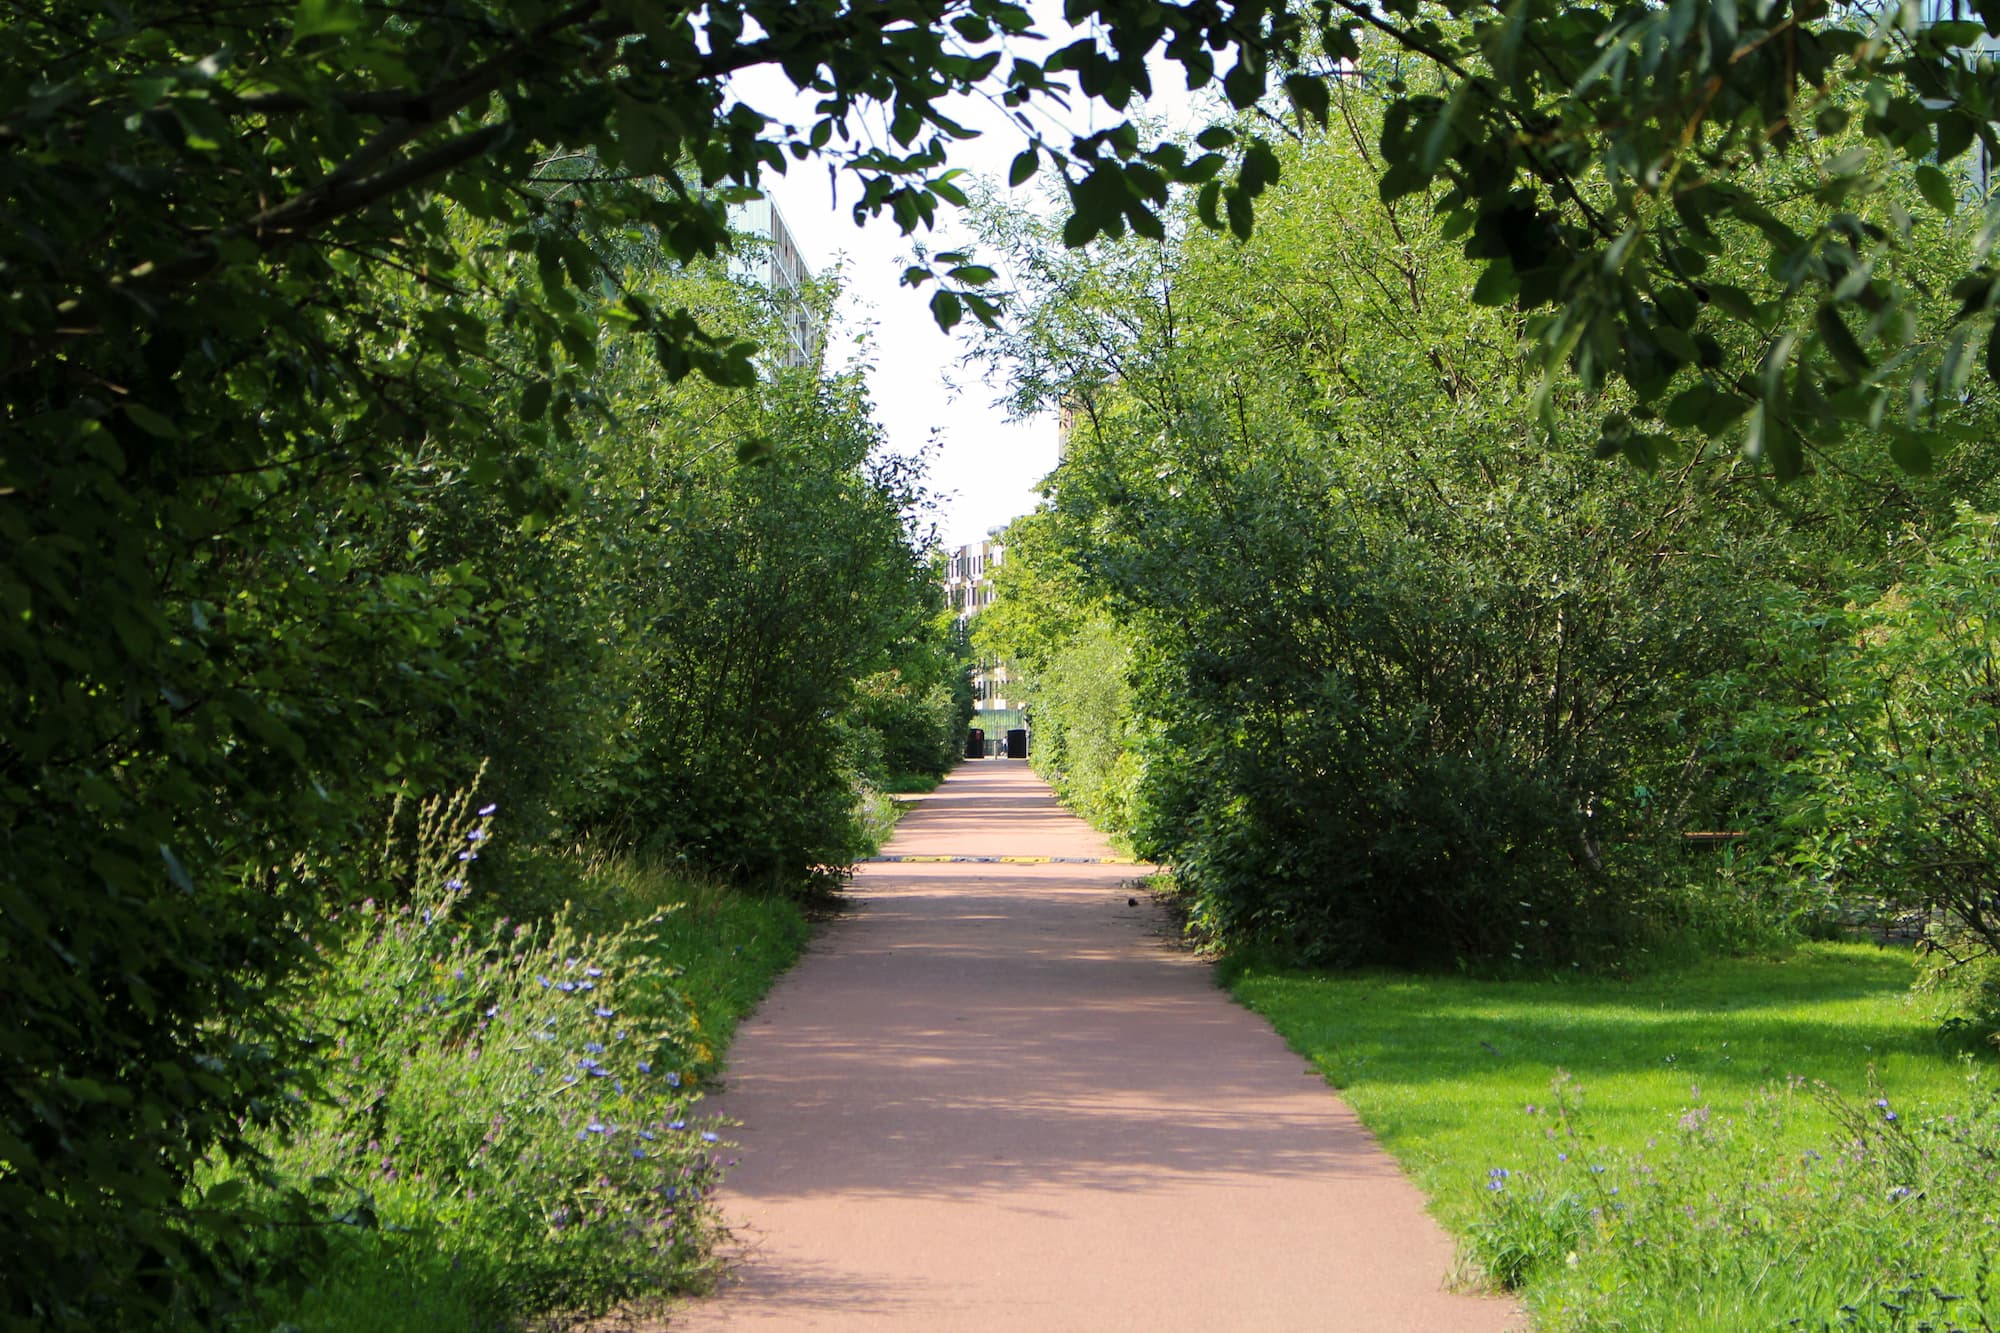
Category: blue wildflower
<point>708,1136</point>
<point>602,1012</point>
<point>486,810</point>
<point>677,1124</point>
<point>566,986</point>
<point>477,835</point>
<point>673,1079</point>
<point>645,1067</point>
<point>593,971</point>
<point>454,884</point>
<point>594,1047</point>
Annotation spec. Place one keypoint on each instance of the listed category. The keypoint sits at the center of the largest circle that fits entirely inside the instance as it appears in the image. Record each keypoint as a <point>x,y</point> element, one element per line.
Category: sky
<point>984,467</point>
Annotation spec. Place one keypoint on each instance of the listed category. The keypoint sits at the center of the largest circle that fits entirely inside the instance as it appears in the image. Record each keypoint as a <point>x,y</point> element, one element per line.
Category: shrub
<point>1877,727</point>
<point>514,1097</point>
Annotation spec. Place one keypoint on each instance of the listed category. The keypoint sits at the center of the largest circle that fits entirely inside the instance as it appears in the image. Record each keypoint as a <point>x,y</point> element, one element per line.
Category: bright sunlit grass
<point>1455,1076</point>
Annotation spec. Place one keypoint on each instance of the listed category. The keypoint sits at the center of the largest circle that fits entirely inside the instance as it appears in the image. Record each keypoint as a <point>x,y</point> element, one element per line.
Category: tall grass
<point>511,1107</point>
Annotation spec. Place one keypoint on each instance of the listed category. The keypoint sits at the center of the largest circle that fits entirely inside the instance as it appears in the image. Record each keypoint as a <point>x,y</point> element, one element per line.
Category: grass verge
<point>514,1108</point>
<point>1736,1145</point>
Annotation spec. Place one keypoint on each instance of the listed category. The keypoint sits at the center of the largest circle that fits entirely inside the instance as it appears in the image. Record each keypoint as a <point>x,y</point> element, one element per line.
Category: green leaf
<point>325,18</point>
<point>1936,189</point>
<point>1497,285</point>
<point>1911,453</point>
<point>153,423</point>
<point>1026,163</point>
<point>535,400</point>
<point>946,310</point>
<point>1840,341</point>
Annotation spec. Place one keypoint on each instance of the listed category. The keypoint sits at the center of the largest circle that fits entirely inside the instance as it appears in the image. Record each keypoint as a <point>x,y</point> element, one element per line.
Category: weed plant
<point>510,1106</point>
<point>1724,1222</point>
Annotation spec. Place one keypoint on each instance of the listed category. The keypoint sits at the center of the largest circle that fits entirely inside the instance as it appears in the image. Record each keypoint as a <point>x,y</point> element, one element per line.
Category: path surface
<point>994,1098</point>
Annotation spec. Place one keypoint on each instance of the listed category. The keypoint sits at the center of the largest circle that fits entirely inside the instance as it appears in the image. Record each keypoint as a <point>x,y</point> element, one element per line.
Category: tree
<point>235,350</point>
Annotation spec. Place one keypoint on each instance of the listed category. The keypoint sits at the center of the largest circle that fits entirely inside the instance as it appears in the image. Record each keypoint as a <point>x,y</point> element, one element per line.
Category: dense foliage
<point>345,366</point>
<point>1401,685</point>
<point>343,529</point>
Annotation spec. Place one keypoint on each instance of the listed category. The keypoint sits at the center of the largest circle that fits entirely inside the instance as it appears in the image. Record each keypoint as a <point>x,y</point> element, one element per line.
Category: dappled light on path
<point>995,1097</point>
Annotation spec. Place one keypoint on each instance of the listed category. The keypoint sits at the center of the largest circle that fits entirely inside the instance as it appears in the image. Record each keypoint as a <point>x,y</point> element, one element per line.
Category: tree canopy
<point>327,327</point>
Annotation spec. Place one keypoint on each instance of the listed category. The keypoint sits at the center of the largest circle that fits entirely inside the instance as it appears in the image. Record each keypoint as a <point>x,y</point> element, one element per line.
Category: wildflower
<point>468,856</point>
<point>486,810</point>
<point>566,986</point>
<point>593,971</point>
<point>586,1063</point>
<point>596,1126</point>
<point>639,1153</point>
<point>477,835</point>
<point>1882,1105</point>
<point>586,985</point>
<point>546,983</point>
<point>677,1124</point>
<point>646,1134</point>
<point>493,1011</point>
<point>645,1066</point>
<point>602,1012</point>
<point>709,1136</point>
<point>594,1047</point>
<point>427,916</point>
<point>455,885</point>
<point>673,1079</point>
<point>458,974</point>
<point>1898,1194</point>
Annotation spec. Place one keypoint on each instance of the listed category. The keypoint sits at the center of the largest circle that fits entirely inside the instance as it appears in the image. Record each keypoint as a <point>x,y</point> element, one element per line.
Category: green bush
<point>1875,722</point>
<point>517,1097</point>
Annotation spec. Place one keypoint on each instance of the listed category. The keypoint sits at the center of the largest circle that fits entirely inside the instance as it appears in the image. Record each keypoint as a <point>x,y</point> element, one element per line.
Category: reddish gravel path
<point>993,1098</point>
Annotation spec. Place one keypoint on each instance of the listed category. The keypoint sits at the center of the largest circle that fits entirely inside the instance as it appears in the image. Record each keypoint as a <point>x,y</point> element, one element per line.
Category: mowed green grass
<point>1444,1069</point>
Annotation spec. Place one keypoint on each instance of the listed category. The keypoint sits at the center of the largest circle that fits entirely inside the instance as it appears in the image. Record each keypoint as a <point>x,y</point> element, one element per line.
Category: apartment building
<point>776,265</point>
<point>968,590</point>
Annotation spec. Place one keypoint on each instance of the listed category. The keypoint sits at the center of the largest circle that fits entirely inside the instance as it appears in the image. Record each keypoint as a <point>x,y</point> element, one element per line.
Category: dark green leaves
<point>326,18</point>
<point>946,309</point>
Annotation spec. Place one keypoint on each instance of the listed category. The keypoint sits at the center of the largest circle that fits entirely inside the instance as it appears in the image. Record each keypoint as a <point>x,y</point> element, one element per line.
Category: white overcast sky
<point>985,467</point>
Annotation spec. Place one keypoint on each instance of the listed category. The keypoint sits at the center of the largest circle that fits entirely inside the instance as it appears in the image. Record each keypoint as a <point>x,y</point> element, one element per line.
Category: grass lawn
<point>1682,1081</point>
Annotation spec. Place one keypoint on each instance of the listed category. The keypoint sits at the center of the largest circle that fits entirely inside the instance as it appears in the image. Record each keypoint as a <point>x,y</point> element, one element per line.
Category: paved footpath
<point>994,1097</point>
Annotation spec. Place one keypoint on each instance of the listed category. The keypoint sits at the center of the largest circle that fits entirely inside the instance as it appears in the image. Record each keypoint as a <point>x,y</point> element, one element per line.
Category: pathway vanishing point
<point>995,1097</point>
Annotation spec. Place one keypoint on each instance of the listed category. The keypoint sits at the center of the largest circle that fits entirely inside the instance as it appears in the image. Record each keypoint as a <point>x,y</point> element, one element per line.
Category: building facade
<point>968,590</point>
<point>777,266</point>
